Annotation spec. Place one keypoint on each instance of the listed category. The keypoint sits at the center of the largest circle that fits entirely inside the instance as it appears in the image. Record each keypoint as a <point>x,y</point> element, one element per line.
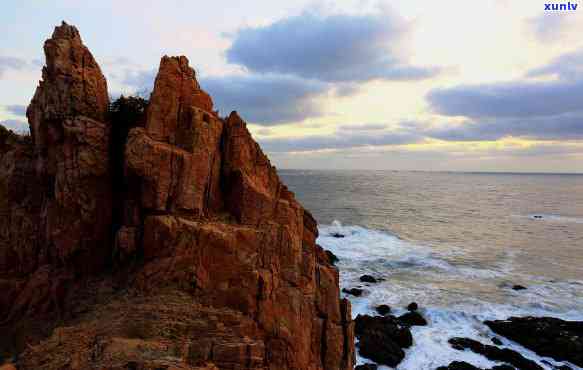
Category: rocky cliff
<point>165,243</point>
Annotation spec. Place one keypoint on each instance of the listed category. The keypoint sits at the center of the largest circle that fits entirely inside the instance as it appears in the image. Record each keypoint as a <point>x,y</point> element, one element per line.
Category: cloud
<point>337,140</point>
<point>364,127</point>
<point>560,127</point>
<point>17,110</point>
<point>548,26</point>
<point>15,125</point>
<point>568,66</point>
<point>141,80</point>
<point>266,100</point>
<point>7,63</point>
<point>508,99</point>
<point>264,132</point>
<point>536,110</point>
<point>333,48</point>
<point>520,98</point>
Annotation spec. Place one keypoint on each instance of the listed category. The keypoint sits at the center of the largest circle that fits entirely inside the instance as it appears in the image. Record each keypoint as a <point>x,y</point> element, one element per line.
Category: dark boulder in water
<point>458,365</point>
<point>413,318</point>
<point>368,279</point>
<point>353,291</point>
<point>383,309</point>
<point>366,367</point>
<point>518,287</point>
<point>496,341</point>
<point>337,235</point>
<point>546,336</point>
<point>557,367</point>
<point>382,339</point>
<point>461,365</point>
<point>494,353</point>
<point>413,306</point>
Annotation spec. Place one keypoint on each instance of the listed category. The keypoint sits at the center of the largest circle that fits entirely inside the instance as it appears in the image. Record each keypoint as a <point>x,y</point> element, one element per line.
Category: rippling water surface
<point>455,243</point>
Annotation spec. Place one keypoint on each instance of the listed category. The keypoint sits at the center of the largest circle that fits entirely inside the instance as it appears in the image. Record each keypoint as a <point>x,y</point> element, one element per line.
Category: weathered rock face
<point>56,207</point>
<point>70,135</point>
<point>217,219</point>
<point>211,264</point>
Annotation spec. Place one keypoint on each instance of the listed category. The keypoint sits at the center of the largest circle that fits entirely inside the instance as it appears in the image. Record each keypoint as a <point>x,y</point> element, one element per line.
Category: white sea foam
<point>454,297</point>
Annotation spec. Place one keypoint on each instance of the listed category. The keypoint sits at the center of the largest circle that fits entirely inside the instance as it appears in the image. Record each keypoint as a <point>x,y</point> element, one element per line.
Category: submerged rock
<point>546,336</point>
<point>494,353</point>
<point>357,292</point>
<point>368,279</point>
<point>382,339</point>
<point>366,367</point>
<point>337,235</point>
<point>518,287</point>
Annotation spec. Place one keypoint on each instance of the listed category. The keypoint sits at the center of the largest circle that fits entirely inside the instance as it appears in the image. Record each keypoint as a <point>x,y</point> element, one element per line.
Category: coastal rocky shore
<point>384,338</point>
<point>165,239</point>
<point>165,242</point>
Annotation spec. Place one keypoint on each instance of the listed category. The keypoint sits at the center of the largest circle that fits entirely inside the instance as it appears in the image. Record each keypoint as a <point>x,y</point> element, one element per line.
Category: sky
<point>452,85</point>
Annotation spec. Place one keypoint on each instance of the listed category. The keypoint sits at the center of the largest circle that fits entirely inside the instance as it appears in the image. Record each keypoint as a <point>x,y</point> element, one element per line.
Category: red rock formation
<point>215,264</point>
<point>56,217</point>
<point>70,135</point>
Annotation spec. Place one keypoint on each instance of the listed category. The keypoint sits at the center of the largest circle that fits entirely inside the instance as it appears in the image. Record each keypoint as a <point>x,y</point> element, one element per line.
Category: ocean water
<point>455,243</point>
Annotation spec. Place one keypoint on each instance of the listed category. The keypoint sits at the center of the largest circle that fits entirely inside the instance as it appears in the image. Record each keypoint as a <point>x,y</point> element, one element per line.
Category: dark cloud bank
<point>540,110</point>
<point>335,48</point>
<point>309,55</point>
<point>295,60</point>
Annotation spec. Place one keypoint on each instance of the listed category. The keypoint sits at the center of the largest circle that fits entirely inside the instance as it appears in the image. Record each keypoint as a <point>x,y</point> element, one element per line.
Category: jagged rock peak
<point>66,31</point>
<point>176,95</point>
<point>182,63</point>
<point>72,84</point>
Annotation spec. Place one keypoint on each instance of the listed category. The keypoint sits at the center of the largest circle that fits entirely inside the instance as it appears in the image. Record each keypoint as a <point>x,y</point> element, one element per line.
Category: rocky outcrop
<point>461,365</point>
<point>201,258</point>
<point>70,136</point>
<point>56,209</point>
<point>547,336</point>
<point>494,353</point>
<point>382,339</point>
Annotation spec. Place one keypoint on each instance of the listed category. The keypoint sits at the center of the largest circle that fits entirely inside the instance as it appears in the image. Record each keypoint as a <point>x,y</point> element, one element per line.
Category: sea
<point>455,243</point>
